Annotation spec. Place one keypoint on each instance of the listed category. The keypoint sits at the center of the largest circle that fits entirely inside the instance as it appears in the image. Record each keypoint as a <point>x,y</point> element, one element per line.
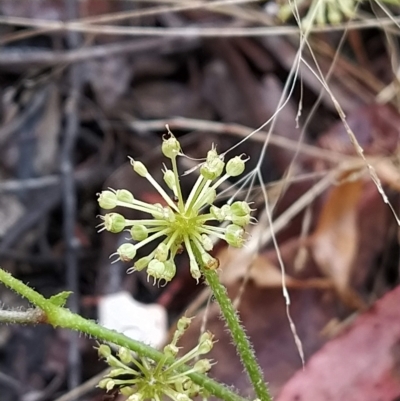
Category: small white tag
<point>146,323</point>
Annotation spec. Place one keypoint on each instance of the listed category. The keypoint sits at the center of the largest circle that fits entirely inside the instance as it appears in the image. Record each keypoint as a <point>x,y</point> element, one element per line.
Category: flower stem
<point>50,312</point>
<point>238,334</point>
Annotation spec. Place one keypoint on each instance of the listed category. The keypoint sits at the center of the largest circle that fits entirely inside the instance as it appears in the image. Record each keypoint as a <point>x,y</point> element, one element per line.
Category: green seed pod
<point>240,208</point>
<point>110,384</point>
<point>170,270</point>
<point>162,252</point>
<point>103,382</point>
<point>169,178</point>
<point>126,252</point>
<point>212,170</point>
<point>234,235</point>
<point>142,263</point>
<point>124,195</point>
<point>139,168</point>
<point>170,147</point>
<point>107,200</point>
<point>104,350</point>
<point>171,350</point>
<point>235,166</point>
<point>156,269</point>
<point>241,221</point>
<point>125,355</point>
<point>202,366</point>
<point>114,222</point>
<point>139,232</point>
<point>205,343</point>
<point>183,323</point>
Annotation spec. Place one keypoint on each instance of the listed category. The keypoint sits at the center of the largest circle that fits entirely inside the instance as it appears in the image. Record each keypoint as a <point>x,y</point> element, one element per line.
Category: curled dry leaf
<point>335,241</point>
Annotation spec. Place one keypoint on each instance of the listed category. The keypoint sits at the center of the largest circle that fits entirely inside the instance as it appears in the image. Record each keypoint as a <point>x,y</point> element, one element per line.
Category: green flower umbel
<point>178,223</point>
<point>142,379</point>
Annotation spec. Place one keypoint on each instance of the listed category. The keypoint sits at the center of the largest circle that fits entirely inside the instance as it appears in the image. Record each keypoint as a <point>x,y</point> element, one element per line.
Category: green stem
<point>62,317</point>
<point>238,334</point>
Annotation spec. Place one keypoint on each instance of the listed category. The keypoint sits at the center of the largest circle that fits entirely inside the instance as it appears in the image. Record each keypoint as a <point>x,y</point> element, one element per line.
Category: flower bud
<point>104,350</point>
<point>139,232</point>
<point>124,195</point>
<point>139,168</point>
<point>194,270</point>
<point>142,263</point>
<point>170,270</point>
<point>110,384</point>
<point>240,208</point>
<point>209,262</point>
<point>218,213</point>
<point>107,200</point>
<point>241,220</point>
<point>202,366</point>
<point>334,16</point>
<point>183,323</point>
<point>212,170</point>
<point>206,242</point>
<point>170,147</point>
<point>114,222</point>
<point>169,178</point>
<point>125,355</point>
<point>126,252</point>
<point>205,343</point>
<point>171,350</point>
<point>234,235</point>
<point>161,253</point>
<point>135,397</point>
<point>126,391</point>
<point>235,166</point>
<point>156,269</point>
<point>103,383</point>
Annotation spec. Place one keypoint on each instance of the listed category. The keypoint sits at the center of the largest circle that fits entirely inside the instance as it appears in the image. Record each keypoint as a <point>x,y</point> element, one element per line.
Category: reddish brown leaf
<point>362,364</point>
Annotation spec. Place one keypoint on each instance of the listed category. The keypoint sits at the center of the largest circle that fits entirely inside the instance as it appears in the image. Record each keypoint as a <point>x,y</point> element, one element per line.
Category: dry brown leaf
<point>237,263</point>
<point>335,241</point>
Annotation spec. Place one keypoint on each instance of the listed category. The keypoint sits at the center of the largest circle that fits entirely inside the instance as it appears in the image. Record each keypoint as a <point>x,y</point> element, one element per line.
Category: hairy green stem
<point>238,334</point>
<point>59,316</point>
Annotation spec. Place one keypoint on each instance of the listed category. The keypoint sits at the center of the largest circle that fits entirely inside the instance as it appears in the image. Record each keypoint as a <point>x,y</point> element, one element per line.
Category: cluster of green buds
<point>321,12</point>
<point>178,223</point>
<point>142,379</point>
